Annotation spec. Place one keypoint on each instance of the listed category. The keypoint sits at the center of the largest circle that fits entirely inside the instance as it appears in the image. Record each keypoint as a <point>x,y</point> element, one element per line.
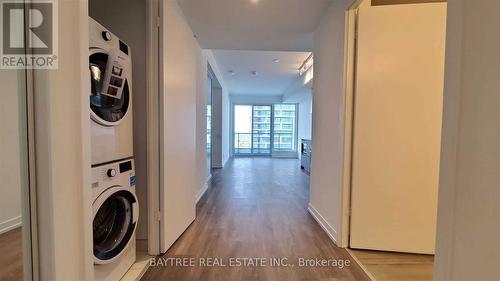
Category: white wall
<point>304,122</point>
<point>300,92</point>
<point>305,119</point>
<point>226,127</point>
<point>204,58</point>
<point>327,124</point>
<point>225,106</point>
<point>468,241</point>
<point>201,123</point>
<point>256,99</point>
<point>110,14</point>
<point>217,95</point>
<point>12,130</point>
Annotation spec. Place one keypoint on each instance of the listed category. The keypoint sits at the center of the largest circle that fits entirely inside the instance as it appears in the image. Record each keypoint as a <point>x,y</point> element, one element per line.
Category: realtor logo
<point>30,43</point>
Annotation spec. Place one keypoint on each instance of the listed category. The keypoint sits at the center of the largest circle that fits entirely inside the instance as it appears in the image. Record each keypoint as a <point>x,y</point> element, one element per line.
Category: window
<point>284,127</point>
<point>262,129</point>
<point>243,129</point>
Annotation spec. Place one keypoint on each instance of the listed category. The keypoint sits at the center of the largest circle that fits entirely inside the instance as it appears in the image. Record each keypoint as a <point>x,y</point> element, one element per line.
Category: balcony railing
<point>283,142</point>
<point>248,143</point>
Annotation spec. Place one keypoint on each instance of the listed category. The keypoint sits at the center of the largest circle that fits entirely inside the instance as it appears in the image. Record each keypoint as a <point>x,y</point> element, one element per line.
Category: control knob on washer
<point>106,35</point>
<point>111,173</point>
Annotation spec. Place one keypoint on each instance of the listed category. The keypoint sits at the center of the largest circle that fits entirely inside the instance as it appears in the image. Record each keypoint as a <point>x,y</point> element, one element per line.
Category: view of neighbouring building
<point>284,127</point>
<point>261,129</point>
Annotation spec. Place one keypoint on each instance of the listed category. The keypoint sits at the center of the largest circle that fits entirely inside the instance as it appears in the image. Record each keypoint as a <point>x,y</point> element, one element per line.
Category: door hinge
<point>158,215</point>
<point>158,20</point>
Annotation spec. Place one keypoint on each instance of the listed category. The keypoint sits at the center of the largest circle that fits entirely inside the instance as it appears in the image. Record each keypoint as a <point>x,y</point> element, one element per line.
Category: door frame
<point>154,111</point>
<point>210,77</point>
<point>31,269</point>
<point>216,127</point>
<point>348,130</point>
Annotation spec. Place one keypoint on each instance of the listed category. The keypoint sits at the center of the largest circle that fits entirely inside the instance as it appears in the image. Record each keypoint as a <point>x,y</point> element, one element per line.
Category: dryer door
<point>106,110</point>
<point>114,224</point>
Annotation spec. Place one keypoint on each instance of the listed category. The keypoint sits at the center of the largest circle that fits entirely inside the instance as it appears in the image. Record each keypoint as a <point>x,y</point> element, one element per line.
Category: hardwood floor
<point>11,259</point>
<point>256,208</point>
<point>389,266</point>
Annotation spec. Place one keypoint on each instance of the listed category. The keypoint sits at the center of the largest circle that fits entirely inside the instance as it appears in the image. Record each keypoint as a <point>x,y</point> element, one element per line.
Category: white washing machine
<point>110,68</point>
<point>115,215</point>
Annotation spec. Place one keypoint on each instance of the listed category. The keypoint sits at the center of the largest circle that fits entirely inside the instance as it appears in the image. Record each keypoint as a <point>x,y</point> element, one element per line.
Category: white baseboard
<point>203,189</point>
<point>330,231</point>
<point>353,256</point>
<point>224,162</point>
<point>10,224</point>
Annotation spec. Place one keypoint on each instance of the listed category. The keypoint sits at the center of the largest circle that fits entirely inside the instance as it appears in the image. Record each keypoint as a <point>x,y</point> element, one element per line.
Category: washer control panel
<point>119,173</point>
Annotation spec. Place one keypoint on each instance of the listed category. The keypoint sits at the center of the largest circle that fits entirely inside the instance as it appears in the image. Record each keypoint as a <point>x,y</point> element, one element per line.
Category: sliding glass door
<point>243,129</point>
<point>284,128</point>
<point>265,129</point>
<point>261,129</point>
<point>252,129</point>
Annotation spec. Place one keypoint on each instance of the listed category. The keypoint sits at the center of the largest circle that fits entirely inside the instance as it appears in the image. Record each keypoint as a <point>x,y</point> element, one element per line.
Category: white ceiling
<point>271,25</point>
<point>273,77</point>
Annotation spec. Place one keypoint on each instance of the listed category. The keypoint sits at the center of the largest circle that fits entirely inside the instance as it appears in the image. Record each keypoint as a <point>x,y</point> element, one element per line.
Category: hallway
<point>256,207</point>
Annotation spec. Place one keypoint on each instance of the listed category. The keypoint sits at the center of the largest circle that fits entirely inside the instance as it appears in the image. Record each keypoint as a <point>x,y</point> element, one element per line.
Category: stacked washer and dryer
<point>115,204</point>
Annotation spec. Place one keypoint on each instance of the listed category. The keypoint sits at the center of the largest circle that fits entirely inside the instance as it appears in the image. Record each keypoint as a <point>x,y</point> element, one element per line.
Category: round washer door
<point>105,110</point>
<point>115,220</point>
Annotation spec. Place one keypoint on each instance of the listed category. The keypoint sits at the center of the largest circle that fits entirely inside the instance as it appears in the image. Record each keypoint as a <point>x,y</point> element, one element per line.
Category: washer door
<point>115,220</point>
<point>106,110</point>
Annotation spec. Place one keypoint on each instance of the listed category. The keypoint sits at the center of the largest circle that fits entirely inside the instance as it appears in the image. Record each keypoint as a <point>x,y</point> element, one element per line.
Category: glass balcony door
<point>243,129</point>
<point>252,129</point>
<point>261,129</point>
<point>284,128</point>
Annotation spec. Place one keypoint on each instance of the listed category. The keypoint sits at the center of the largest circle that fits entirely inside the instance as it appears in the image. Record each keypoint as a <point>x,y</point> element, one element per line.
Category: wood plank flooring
<point>11,257</point>
<point>256,208</point>
<point>389,266</point>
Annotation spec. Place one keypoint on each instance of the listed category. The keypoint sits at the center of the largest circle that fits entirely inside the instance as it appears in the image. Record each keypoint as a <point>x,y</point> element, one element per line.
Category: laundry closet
<point>117,65</point>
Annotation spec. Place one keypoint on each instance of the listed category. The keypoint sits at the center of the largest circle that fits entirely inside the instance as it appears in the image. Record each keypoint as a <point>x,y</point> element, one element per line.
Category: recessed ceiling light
<point>254,73</point>
<point>276,60</point>
<point>255,1</point>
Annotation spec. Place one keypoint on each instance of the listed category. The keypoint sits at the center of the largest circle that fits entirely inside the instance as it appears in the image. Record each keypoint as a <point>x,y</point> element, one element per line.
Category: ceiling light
<point>255,1</point>
<point>306,65</point>
<point>254,73</point>
<point>231,72</point>
<point>276,60</point>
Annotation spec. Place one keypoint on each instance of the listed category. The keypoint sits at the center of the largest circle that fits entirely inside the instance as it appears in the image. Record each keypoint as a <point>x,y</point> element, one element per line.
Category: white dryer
<point>110,69</point>
<point>115,215</point>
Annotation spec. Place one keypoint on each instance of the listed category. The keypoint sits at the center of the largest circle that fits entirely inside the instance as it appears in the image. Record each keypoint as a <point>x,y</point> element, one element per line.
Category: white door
<point>177,125</point>
<point>397,127</point>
